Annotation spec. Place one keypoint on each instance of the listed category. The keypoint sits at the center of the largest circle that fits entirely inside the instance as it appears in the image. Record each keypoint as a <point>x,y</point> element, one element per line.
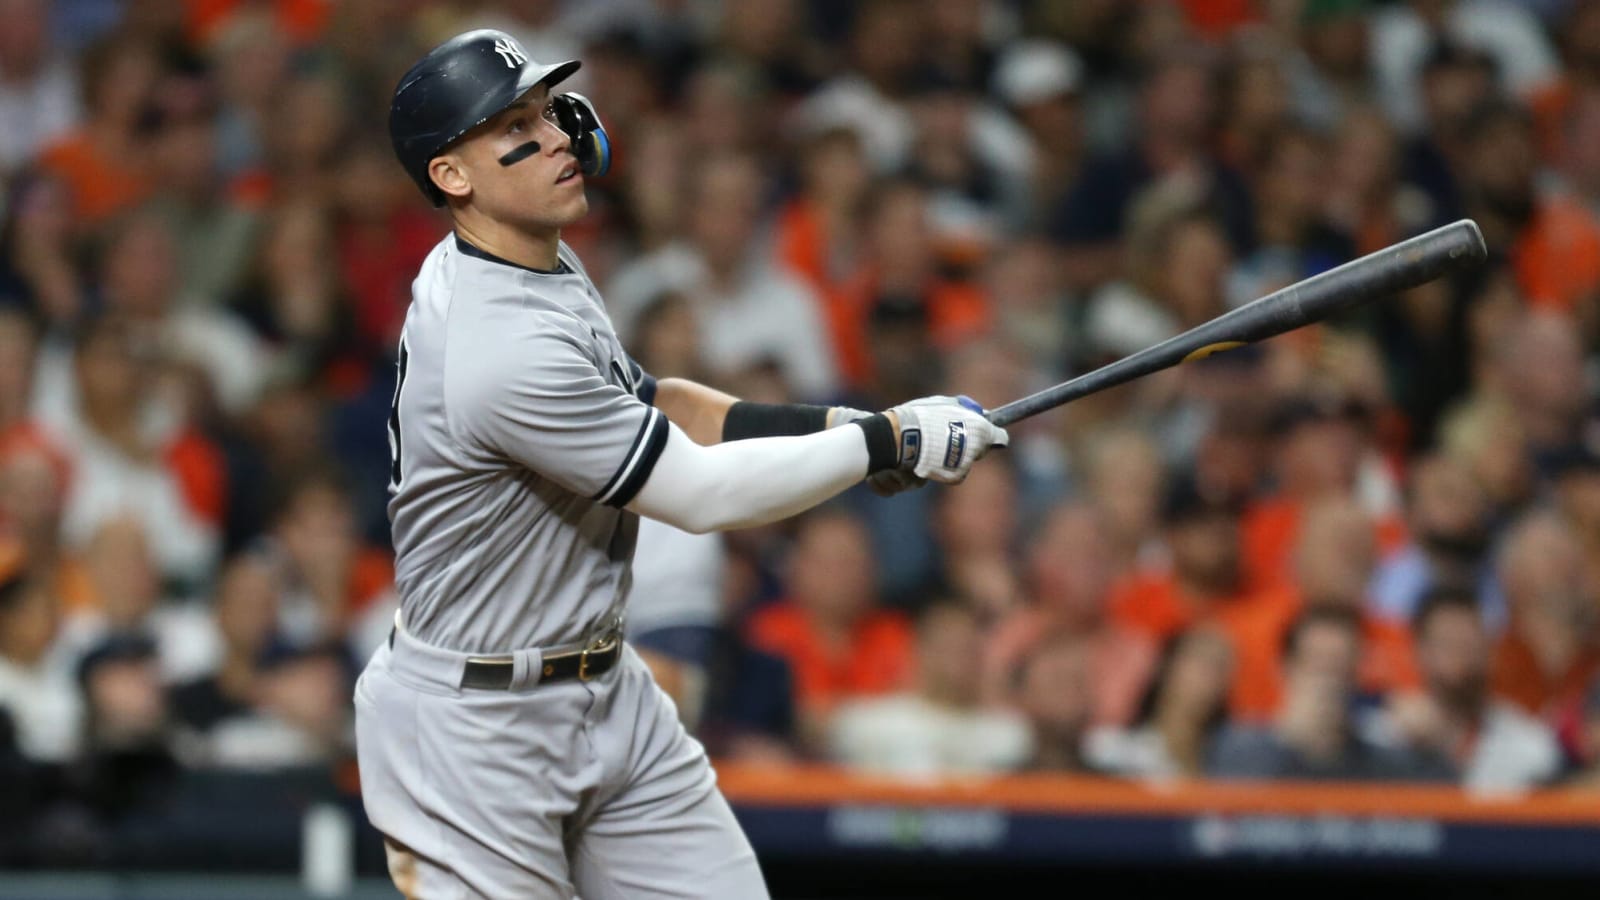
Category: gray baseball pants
<point>573,788</point>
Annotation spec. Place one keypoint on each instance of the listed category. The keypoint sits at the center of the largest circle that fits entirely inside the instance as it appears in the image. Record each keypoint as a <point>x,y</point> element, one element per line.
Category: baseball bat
<point>1401,267</point>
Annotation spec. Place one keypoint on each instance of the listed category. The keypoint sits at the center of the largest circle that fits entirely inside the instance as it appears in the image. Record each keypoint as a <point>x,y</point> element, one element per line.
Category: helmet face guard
<point>577,117</point>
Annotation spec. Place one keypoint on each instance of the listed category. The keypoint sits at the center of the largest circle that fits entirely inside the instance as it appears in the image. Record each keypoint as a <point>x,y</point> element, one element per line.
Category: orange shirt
<point>1152,604</point>
<point>1270,528</point>
<point>1122,660</point>
<point>878,659</point>
<point>802,246</point>
<point>1517,676</point>
<point>1388,659</point>
<point>100,187</point>
<point>1557,257</point>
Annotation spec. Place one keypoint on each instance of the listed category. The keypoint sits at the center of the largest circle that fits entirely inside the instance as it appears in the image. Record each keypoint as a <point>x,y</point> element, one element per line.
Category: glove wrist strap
<point>882,453</point>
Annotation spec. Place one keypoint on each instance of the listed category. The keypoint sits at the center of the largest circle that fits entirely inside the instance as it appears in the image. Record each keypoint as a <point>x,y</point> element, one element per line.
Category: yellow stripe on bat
<point>1209,349</point>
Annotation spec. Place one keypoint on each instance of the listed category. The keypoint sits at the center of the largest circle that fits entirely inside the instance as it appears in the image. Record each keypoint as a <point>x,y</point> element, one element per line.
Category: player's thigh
<point>471,790</point>
<point>681,848</point>
<point>665,831</point>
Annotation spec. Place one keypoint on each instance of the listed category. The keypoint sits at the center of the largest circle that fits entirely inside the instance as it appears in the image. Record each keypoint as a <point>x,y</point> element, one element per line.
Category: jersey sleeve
<point>644,384</point>
<point>538,398</point>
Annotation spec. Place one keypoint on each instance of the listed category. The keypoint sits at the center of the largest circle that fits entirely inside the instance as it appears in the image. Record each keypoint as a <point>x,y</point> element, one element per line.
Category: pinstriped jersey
<point>519,430</point>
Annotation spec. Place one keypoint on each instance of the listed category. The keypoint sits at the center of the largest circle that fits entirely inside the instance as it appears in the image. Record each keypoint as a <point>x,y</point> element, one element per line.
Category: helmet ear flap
<point>590,143</point>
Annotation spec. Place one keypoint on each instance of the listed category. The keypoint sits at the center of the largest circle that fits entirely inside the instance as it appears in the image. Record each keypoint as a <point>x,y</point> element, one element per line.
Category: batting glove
<point>941,437</point>
<point>888,482</point>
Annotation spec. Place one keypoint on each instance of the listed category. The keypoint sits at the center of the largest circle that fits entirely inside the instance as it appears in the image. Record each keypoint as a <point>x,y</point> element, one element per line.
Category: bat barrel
<point>1391,270</point>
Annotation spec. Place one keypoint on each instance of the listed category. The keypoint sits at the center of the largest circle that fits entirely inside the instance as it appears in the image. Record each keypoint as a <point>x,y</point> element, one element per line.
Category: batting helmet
<point>467,81</point>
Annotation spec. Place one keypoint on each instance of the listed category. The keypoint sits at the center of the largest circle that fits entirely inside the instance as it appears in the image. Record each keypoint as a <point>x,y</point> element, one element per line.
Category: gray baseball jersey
<point>520,428</point>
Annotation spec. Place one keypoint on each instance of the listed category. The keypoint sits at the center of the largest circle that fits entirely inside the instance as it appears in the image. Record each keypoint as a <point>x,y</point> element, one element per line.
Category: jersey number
<point>394,417</point>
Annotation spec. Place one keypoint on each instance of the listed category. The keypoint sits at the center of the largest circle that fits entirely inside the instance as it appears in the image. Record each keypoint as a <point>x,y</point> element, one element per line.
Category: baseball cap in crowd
<point>1033,71</point>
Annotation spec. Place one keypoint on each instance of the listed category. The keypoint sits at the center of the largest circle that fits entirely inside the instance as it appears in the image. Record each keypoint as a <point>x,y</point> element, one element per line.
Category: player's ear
<point>449,176</point>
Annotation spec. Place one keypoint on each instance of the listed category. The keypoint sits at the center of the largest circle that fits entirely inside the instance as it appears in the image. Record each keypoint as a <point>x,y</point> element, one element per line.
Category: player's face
<point>513,183</point>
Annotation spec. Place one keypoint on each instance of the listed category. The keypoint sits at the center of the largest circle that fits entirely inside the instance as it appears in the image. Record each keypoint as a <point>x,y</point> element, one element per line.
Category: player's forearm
<point>740,484</point>
<point>699,410</point>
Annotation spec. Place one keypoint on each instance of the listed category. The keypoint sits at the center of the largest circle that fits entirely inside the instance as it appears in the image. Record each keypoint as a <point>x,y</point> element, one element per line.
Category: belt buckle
<point>601,643</point>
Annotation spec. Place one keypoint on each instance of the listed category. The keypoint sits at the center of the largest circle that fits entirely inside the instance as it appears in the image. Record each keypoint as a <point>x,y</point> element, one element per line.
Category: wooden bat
<point>1405,265</point>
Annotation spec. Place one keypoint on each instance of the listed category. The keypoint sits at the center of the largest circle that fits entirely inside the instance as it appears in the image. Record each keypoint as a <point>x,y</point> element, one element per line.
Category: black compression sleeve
<point>752,420</point>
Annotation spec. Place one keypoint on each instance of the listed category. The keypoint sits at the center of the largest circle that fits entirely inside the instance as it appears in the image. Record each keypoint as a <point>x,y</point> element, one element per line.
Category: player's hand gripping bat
<point>1406,265</point>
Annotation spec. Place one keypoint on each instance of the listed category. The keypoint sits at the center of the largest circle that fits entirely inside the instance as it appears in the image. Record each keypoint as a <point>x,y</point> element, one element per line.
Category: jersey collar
<point>470,250</point>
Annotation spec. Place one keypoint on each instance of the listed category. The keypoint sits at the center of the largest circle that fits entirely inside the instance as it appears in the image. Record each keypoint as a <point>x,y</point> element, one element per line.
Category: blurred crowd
<point>1367,550</point>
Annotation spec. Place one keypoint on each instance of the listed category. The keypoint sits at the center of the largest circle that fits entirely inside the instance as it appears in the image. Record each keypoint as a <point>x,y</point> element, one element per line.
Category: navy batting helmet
<point>467,81</point>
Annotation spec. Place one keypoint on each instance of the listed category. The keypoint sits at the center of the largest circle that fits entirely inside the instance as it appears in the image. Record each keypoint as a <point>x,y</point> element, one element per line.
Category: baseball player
<point>511,743</point>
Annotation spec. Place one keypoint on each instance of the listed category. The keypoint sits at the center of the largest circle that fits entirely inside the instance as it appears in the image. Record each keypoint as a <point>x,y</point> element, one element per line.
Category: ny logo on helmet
<point>511,53</point>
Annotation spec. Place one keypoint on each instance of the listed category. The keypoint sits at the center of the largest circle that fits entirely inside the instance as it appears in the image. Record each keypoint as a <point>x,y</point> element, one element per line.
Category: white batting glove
<point>888,482</point>
<point>941,437</point>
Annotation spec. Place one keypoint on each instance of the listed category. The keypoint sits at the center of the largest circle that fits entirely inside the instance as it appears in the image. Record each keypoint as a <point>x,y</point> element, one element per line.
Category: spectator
<point>381,236</point>
<point>1494,745</point>
<point>1333,71</point>
<point>1553,244</point>
<point>1069,573</point>
<point>1316,736</point>
<point>939,726</point>
<point>301,715</point>
<point>1508,34</point>
<point>1177,263</point>
<point>1541,373</point>
<point>293,299</point>
<point>213,231</point>
<point>141,282</point>
<point>39,269</point>
<point>246,612</point>
<point>334,587</point>
<point>128,602</point>
<point>818,232</point>
<point>1368,199</point>
<point>38,87</point>
<point>1175,108</point>
<point>883,55</point>
<point>126,459</point>
<point>1041,83</point>
<point>129,762</point>
<point>1447,517</point>
<point>250,55</point>
<point>1184,709</point>
<point>748,314</point>
<point>1053,692</point>
<point>1292,238</point>
<point>1547,655</point>
<point>1334,558</point>
<point>1126,484</point>
<point>828,629</point>
<point>37,688</point>
<point>675,608</point>
<point>1204,580</point>
<point>1487,435</point>
<point>975,530</point>
<point>1323,450</point>
<point>904,273</point>
<point>102,162</point>
<point>34,480</point>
